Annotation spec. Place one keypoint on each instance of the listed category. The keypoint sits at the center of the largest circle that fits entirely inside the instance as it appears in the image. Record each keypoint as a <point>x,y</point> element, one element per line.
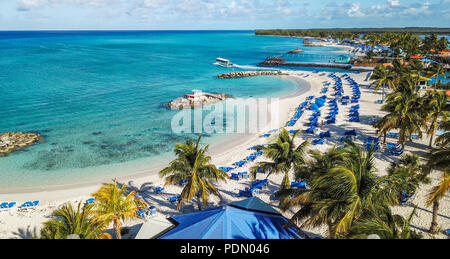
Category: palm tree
<point>383,77</point>
<point>193,165</point>
<point>339,195</point>
<point>440,159</point>
<point>444,140</point>
<point>318,164</point>
<point>436,194</point>
<point>116,205</point>
<point>284,154</point>
<point>68,221</point>
<point>404,112</point>
<point>436,70</point>
<point>437,109</point>
<point>385,225</point>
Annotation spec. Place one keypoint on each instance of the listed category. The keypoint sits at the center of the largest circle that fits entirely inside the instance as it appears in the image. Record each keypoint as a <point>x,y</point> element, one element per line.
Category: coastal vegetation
<point>193,166</point>
<point>346,194</point>
<point>69,221</point>
<point>351,31</point>
<point>284,155</point>
<point>113,204</point>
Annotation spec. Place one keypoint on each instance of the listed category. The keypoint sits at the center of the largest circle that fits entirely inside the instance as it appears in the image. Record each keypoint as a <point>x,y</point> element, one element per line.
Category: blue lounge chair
<point>301,185</point>
<point>331,121</point>
<point>174,198</point>
<point>182,182</point>
<point>393,135</point>
<point>141,213</point>
<point>234,176</point>
<point>392,146</point>
<point>415,137</point>
<point>244,175</point>
<point>159,189</point>
<point>318,141</point>
<point>326,134</point>
<point>257,147</point>
<point>396,152</point>
<point>266,135</point>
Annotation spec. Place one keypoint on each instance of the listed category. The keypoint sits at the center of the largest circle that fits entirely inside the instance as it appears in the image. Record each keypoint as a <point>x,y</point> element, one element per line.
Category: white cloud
<point>355,11</point>
<point>394,2</point>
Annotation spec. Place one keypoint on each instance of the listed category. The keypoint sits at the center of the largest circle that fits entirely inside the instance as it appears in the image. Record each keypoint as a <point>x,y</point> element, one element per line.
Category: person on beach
<point>322,124</point>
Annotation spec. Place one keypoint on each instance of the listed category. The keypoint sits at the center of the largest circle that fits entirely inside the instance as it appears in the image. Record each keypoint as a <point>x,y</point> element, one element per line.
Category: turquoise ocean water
<point>97,97</point>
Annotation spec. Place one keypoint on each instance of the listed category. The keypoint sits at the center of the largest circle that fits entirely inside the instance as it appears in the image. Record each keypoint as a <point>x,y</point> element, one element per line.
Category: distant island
<point>349,31</point>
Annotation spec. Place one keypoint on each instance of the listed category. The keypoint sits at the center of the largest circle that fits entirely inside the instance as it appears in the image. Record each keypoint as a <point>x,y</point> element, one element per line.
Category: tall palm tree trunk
<point>117,230</point>
<point>431,142</point>
<point>433,227</point>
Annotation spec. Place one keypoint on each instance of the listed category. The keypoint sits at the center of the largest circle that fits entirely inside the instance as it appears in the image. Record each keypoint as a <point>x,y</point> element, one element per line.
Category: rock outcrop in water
<point>238,74</point>
<point>197,98</point>
<point>11,141</point>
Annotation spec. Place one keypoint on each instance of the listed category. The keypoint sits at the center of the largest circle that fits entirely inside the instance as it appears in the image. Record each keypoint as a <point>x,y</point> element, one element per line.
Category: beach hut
<point>343,59</point>
<point>247,219</point>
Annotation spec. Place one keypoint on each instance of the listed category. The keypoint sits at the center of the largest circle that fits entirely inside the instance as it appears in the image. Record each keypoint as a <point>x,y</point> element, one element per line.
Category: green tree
<point>404,111</point>
<point>385,225</point>
<point>439,160</point>
<point>383,77</point>
<point>193,165</point>
<point>116,205</point>
<point>436,108</point>
<point>337,196</point>
<point>435,71</point>
<point>79,222</point>
<point>284,156</point>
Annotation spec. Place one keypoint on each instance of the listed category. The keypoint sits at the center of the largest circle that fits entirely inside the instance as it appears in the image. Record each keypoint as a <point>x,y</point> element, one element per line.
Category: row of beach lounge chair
<point>26,205</point>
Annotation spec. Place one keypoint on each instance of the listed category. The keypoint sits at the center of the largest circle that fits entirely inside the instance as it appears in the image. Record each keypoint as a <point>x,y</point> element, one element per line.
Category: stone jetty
<point>197,98</point>
<point>11,141</point>
<point>239,74</point>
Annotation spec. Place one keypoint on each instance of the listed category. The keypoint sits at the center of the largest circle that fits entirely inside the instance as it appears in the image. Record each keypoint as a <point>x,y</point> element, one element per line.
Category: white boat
<point>223,62</point>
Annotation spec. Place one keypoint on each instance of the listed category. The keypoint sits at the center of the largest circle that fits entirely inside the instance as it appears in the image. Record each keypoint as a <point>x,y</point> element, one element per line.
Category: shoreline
<point>302,87</point>
<point>15,221</point>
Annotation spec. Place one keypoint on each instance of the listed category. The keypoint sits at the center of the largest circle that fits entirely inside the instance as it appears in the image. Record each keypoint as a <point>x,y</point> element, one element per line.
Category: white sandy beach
<point>21,224</point>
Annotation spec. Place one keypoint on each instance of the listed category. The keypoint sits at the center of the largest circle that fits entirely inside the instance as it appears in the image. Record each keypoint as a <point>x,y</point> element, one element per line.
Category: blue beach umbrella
<point>314,107</point>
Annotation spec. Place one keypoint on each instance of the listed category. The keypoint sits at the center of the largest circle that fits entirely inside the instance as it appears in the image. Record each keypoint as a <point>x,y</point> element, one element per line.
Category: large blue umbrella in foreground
<point>246,219</point>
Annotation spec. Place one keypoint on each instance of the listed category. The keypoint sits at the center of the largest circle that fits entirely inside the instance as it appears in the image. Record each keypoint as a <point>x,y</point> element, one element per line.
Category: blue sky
<point>219,14</point>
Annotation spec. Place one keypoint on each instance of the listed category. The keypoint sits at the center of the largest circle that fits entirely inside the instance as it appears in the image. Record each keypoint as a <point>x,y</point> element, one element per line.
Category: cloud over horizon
<point>220,14</point>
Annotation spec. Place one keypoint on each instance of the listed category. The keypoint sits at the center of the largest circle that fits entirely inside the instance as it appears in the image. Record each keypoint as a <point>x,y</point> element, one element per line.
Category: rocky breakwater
<point>11,141</point>
<point>239,74</point>
<point>197,98</point>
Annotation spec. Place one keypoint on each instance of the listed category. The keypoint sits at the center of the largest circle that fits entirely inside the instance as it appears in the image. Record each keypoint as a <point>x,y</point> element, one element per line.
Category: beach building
<point>246,219</point>
<point>343,59</point>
